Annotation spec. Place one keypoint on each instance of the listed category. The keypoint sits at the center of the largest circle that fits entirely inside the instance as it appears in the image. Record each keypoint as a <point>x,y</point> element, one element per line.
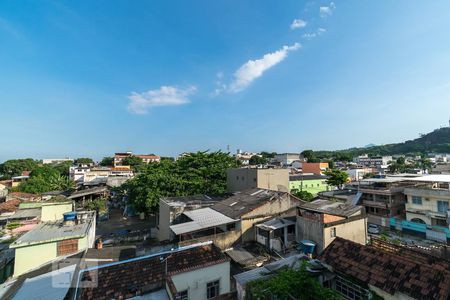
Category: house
<point>240,179</point>
<point>286,159</point>
<point>321,221</point>
<point>386,271</point>
<point>89,194</point>
<point>358,173</point>
<point>276,234</point>
<point>315,168</point>
<point>199,271</point>
<point>383,198</point>
<point>244,157</point>
<point>77,173</point>
<point>427,208</point>
<point>146,158</point>
<point>311,183</point>
<point>374,162</point>
<point>49,241</point>
<point>232,220</point>
<point>171,208</point>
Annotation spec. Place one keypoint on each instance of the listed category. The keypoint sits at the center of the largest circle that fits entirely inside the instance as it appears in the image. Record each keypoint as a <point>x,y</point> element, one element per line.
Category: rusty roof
<point>145,274</point>
<point>388,271</point>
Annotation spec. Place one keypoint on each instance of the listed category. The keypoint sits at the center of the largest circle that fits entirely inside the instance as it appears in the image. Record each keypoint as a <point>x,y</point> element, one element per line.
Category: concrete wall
<point>163,221</point>
<point>355,231</point>
<point>387,296</point>
<point>222,240</point>
<point>55,211</point>
<point>28,258</point>
<point>264,212</point>
<point>195,282</point>
<point>247,178</point>
<point>315,231</point>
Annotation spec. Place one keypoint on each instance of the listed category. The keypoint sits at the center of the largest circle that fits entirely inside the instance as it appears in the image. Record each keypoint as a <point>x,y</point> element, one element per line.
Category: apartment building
<point>375,161</point>
<point>240,179</point>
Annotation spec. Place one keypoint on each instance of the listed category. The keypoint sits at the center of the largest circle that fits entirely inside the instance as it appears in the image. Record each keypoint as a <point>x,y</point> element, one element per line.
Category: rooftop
<point>433,178</point>
<point>202,218</point>
<point>52,231</point>
<point>192,200</point>
<point>88,191</point>
<point>147,273</point>
<point>300,177</point>
<point>336,208</point>
<point>388,271</point>
<point>244,202</point>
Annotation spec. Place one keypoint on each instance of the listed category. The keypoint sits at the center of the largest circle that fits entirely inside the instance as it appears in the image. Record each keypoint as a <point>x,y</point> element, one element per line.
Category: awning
<point>202,218</point>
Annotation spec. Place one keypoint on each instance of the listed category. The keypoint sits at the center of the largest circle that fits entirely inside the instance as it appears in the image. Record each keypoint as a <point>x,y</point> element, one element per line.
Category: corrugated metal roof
<point>201,219</point>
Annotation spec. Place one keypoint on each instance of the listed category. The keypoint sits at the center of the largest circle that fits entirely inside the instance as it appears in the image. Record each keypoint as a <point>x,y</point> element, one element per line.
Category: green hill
<point>437,141</point>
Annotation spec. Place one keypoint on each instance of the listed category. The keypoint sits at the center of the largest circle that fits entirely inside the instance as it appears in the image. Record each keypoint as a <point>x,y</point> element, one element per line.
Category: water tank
<point>307,246</point>
<point>70,216</point>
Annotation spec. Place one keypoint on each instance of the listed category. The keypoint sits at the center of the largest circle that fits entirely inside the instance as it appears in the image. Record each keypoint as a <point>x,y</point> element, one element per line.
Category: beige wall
<point>429,203</point>
<point>54,211</point>
<point>31,257</point>
<point>247,178</point>
<point>195,281</point>
<point>315,231</point>
<point>355,231</point>
<point>266,211</point>
<point>163,221</point>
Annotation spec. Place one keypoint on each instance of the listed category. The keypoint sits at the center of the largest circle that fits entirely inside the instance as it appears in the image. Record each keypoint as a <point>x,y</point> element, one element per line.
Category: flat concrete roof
<point>433,178</point>
<point>51,232</point>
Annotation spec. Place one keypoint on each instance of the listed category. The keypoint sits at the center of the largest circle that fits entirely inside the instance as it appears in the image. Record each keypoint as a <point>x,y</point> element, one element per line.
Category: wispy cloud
<point>326,11</point>
<point>253,69</point>
<point>298,23</point>
<point>140,103</point>
<point>311,35</point>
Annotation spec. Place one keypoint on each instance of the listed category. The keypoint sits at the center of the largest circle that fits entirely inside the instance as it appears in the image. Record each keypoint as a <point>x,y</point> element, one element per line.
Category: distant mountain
<point>369,146</point>
<point>437,141</point>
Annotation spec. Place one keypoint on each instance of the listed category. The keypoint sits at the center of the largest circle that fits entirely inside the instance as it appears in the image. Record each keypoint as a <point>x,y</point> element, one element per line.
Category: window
<point>350,290</point>
<point>318,185</point>
<point>183,295</point>
<point>231,226</point>
<point>416,200</point>
<point>67,247</point>
<point>212,289</point>
<point>333,232</point>
<point>442,206</point>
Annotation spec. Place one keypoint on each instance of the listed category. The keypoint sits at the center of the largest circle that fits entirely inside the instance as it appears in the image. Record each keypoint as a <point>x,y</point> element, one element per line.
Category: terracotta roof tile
<point>391,272</point>
<point>127,279</point>
<point>9,206</point>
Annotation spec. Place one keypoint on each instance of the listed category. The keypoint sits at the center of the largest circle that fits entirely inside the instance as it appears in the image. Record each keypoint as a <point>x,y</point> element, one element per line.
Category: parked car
<point>373,229</point>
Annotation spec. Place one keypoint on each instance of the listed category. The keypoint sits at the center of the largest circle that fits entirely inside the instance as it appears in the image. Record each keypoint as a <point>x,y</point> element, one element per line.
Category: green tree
<point>194,173</point>
<point>83,160</point>
<point>15,167</point>
<point>63,167</point>
<point>45,179</point>
<point>257,160</point>
<point>107,161</point>
<point>310,156</point>
<point>303,195</point>
<point>134,162</point>
<point>336,178</point>
<point>289,284</point>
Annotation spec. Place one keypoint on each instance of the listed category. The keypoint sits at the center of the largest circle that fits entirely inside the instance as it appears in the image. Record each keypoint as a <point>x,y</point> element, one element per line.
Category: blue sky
<point>88,78</point>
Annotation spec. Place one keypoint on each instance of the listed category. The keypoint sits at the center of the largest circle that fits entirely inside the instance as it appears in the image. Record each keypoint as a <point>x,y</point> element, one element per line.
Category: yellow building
<point>53,239</point>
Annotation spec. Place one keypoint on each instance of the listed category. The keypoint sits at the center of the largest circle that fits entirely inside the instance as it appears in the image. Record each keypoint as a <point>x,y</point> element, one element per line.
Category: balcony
<point>428,192</point>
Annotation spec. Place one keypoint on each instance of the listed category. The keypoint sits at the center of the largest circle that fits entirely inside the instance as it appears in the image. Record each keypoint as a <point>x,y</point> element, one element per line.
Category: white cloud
<point>140,103</point>
<point>298,23</point>
<point>253,69</point>
<point>311,35</point>
<point>326,11</point>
